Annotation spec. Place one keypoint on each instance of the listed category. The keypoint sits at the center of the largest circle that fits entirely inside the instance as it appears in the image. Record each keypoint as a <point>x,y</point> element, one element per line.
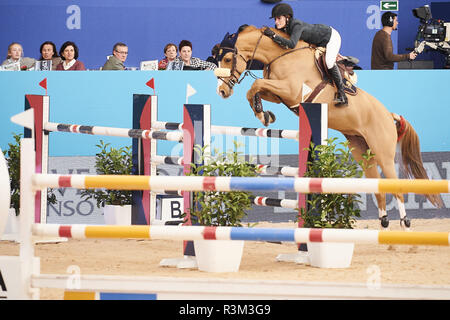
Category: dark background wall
<point>146,26</point>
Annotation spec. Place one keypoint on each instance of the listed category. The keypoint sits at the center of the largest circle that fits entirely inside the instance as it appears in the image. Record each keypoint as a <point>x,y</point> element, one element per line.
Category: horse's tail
<point>411,156</point>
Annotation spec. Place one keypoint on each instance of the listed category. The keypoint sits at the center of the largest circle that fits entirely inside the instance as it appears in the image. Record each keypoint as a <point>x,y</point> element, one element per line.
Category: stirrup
<point>340,100</point>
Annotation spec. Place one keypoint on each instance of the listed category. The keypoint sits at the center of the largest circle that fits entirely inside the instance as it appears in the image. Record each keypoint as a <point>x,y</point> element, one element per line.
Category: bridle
<point>233,80</point>
<point>237,80</point>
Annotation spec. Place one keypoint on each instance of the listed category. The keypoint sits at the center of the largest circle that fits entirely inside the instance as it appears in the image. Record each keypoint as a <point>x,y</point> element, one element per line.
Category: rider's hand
<point>268,32</point>
<point>412,55</point>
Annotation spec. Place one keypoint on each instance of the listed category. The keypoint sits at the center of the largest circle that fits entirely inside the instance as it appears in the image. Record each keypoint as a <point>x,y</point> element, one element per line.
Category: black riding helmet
<point>282,9</point>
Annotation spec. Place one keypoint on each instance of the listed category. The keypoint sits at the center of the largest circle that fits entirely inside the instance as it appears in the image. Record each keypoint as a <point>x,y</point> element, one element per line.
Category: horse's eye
<point>227,60</point>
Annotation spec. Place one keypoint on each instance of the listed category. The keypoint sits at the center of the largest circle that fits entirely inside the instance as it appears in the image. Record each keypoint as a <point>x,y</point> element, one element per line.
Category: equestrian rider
<point>316,34</point>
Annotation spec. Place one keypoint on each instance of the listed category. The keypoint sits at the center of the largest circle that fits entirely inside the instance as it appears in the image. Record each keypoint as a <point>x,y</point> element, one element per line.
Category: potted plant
<point>221,209</point>
<point>332,210</point>
<point>12,156</point>
<point>116,203</point>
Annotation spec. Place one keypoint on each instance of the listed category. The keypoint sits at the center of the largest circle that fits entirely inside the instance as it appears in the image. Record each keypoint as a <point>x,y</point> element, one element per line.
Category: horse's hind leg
<point>359,147</point>
<point>385,157</point>
<point>389,172</point>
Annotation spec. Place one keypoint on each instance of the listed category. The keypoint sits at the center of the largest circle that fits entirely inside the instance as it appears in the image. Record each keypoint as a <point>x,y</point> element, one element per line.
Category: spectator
<point>117,60</point>
<point>382,52</point>
<point>15,54</point>
<point>213,57</point>
<point>189,62</point>
<point>48,52</point>
<point>69,55</point>
<point>170,53</point>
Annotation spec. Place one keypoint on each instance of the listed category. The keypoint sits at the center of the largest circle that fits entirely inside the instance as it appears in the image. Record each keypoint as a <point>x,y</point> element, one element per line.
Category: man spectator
<point>382,50</point>
<point>116,61</point>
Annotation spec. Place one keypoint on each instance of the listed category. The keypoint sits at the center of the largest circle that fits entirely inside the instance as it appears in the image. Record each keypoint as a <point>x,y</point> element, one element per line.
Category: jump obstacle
<point>145,118</point>
<point>144,106</point>
<point>28,279</point>
<point>31,279</point>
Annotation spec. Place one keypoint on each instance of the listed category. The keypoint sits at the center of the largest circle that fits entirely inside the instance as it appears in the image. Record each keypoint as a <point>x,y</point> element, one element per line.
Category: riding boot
<point>340,97</point>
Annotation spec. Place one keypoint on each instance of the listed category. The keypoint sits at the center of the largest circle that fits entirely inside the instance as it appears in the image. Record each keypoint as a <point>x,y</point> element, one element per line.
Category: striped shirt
<point>198,63</point>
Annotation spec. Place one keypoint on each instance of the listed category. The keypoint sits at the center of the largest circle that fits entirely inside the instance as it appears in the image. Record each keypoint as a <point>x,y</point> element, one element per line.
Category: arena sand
<point>401,264</point>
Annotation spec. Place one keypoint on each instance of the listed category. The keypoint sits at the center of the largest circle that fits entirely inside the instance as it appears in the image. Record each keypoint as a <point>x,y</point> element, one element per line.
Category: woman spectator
<point>48,52</point>
<point>170,53</point>
<point>15,54</point>
<point>189,62</point>
<point>69,55</point>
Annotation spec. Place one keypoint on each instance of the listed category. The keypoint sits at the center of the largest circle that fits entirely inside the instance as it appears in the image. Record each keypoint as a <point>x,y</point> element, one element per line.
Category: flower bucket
<point>117,215</point>
<point>219,255</point>
<point>330,254</point>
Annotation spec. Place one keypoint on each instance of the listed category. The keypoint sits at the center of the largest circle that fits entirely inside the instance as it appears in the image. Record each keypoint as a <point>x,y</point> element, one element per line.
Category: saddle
<point>345,65</point>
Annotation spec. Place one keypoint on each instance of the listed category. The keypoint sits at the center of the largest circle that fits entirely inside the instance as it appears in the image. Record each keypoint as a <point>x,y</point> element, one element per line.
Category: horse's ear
<point>226,36</point>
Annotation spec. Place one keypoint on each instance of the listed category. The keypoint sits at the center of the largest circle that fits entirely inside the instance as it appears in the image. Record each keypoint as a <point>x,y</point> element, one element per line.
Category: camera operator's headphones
<point>387,19</point>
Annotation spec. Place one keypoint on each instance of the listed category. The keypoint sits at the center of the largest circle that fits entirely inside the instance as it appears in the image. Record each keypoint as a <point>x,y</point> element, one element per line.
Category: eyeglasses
<point>122,52</point>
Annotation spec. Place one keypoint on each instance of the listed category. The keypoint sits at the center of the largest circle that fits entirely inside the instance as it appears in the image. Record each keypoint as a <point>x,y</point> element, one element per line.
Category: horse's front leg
<point>268,90</point>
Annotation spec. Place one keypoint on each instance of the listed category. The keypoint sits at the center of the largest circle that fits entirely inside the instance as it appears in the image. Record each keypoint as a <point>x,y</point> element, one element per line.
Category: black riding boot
<point>340,98</point>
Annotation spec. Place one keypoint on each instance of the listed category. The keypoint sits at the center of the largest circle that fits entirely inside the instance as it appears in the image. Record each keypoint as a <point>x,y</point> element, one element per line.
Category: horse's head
<point>231,65</point>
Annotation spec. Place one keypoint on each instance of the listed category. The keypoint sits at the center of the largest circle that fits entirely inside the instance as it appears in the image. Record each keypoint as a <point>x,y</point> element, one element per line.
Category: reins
<point>237,80</point>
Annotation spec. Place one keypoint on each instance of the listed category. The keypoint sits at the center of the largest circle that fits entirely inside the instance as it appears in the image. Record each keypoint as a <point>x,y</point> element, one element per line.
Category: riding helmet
<point>282,9</point>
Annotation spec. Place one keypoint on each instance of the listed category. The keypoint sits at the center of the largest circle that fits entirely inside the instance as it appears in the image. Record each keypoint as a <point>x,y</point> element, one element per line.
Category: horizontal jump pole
<point>262,168</point>
<point>297,235</point>
<point>196,183</point>
<point>114,132</point>
<point>272,202</point>
<point>256,200</point>
<point>234,131</point>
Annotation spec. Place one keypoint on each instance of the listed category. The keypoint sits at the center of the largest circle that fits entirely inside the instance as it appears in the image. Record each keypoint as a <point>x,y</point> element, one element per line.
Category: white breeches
<point>333,47</point>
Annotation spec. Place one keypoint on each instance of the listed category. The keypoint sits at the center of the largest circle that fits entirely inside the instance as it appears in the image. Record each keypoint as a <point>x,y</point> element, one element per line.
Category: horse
<point>365,122</point>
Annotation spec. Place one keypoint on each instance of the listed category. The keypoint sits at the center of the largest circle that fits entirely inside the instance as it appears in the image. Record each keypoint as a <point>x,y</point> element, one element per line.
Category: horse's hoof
<point>257,103</point>
<point>269,118</point>
<point>405,222</point>
<point>384,221</point>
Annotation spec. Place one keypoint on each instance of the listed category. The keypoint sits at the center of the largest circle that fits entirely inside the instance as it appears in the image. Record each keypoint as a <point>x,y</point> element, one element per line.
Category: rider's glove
<point>268,32</point>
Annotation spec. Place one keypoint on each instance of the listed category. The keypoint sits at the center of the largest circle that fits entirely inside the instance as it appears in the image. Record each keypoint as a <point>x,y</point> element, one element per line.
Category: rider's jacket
<point>315,34</point>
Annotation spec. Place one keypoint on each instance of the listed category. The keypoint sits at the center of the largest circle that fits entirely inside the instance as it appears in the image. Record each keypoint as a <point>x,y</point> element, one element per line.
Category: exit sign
<point>389,5</point>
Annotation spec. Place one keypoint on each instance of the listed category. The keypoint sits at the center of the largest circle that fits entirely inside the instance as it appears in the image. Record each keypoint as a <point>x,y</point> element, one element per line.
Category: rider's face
<point>280,22</point>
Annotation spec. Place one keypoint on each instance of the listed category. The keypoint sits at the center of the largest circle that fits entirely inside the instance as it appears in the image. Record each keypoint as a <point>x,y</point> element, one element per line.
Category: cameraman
<point>382,52</point>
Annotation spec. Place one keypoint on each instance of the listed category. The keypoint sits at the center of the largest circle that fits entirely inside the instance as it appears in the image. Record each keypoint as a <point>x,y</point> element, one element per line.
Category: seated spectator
<point>170,53</point>
<point>48,52</point>
<point>69,55</point>
<point>15,54</point>
<point>189,62</point>
<point>117,60</point>
<point>213,57</point>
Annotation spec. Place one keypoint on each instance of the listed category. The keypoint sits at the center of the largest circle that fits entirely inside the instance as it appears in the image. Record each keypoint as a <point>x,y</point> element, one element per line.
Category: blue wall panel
<point>146,26</point>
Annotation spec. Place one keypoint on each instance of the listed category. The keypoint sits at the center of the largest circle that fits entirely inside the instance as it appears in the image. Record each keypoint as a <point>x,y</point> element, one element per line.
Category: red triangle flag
<point>151,83</point>
<point>43,84</point>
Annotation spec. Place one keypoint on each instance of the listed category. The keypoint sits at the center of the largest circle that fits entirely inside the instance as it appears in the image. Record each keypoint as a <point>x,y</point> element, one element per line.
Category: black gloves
<point>268,32</point>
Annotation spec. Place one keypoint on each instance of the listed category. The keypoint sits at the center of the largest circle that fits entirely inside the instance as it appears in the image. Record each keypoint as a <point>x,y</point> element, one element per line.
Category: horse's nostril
<point>222,93</point>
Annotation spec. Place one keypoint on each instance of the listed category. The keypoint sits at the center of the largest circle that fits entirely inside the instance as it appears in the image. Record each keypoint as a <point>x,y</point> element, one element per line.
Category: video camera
<point>432,33</point>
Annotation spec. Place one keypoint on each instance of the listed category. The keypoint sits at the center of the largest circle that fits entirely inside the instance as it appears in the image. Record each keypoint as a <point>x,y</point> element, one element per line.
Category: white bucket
<point>117,215</point>
<point>219,255</point>
<point>330,254</point>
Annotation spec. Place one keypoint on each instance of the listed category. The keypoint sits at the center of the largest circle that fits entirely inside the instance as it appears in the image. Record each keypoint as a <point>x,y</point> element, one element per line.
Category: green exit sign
<point>389,5</point>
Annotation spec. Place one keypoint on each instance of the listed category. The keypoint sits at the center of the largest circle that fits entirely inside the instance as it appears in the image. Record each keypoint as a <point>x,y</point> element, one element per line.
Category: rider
<point>315,34</point>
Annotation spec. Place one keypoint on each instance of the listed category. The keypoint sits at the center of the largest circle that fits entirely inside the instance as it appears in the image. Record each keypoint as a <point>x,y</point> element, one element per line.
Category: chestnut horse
<point>365,122</point>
